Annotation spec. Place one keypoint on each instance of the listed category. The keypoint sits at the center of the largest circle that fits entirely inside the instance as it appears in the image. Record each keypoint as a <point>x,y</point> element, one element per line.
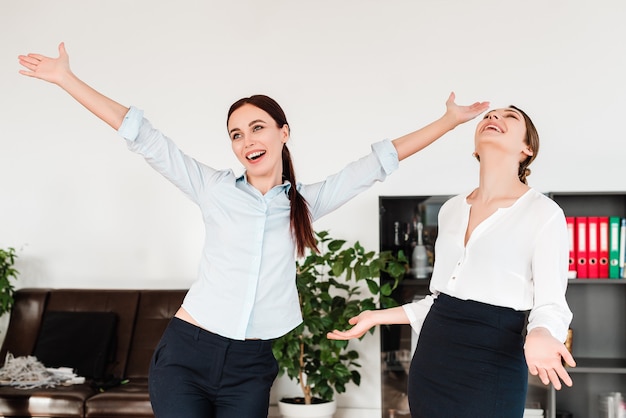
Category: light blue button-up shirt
<point>246,280</point>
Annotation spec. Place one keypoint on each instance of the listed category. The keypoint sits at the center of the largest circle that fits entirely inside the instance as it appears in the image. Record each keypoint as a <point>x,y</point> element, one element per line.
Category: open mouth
<point>255,155</point>
<point>492,128</point>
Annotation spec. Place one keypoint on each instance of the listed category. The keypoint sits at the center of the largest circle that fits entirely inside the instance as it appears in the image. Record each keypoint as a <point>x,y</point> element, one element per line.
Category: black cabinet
<point>398,218</point>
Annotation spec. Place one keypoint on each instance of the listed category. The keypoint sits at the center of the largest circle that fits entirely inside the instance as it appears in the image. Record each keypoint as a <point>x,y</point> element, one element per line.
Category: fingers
<point>62,50</point>
<point>541,373</point>
<point>568,358</point>
<point>338,335</point>
<point>451,98</point>
<point>554,378</point>
<point>345,335</point>
<point>480,106</point>
<point>30,61</point>
<point>554,375</point>
<point>564,376</point>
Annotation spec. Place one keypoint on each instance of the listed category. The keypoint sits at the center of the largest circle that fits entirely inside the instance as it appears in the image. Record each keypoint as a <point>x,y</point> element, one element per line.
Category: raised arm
<point>455,115</point>
<point>57,71</point>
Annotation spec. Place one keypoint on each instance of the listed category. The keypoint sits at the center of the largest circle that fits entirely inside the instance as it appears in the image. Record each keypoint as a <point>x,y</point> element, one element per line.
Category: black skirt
<point>469,362</point>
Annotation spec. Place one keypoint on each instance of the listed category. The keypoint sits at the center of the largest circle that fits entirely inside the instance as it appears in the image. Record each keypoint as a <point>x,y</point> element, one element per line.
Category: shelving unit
<point>599,323</point>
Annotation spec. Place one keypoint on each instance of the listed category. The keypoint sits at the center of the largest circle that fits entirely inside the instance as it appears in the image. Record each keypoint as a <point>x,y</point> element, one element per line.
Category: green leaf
<point>373,287</point>
<point>7,274</point>
<point>385,289</point>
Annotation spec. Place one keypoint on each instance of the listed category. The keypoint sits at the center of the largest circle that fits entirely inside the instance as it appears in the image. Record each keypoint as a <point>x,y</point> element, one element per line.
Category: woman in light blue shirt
<point>215,357</point>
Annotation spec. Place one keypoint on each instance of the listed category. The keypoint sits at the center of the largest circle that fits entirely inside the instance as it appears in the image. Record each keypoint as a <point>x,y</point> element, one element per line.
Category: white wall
<point>85,212</point>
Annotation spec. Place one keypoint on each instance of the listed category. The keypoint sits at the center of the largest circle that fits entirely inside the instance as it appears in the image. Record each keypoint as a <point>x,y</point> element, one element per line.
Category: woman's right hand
<point>360,325</point>
<point>458,114</point>
<point>53,70</point>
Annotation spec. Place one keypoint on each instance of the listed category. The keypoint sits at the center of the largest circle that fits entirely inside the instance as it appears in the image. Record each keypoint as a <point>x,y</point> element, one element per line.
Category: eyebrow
<point>506,109</point>
<point>250,124</point>
<point>510,109</point>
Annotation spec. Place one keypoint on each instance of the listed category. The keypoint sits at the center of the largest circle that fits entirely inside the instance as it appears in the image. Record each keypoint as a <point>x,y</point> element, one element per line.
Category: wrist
<point>66,80</point>
<point>449,121</point>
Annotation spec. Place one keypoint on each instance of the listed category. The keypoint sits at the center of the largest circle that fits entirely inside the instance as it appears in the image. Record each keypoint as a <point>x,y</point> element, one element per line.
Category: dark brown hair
<point>300,215</point>
<point>532,140</point>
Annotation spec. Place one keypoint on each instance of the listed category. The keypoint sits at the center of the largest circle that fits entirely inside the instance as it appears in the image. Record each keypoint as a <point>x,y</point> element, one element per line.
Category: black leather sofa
<point>141,317</point>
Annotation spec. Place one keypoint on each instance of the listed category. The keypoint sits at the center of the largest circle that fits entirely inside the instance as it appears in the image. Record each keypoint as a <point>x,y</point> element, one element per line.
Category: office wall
<point>83,211</point>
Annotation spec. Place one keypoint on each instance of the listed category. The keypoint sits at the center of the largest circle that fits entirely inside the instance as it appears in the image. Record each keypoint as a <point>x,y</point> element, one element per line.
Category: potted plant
<point>7,273</point>
<point>330,286</point>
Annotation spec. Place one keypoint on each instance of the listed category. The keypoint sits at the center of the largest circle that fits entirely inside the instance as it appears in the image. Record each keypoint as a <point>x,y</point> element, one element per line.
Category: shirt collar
<point>285,187</point>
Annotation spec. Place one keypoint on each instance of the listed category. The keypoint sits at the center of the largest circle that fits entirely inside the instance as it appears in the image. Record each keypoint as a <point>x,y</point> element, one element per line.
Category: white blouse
<point>516,258</point>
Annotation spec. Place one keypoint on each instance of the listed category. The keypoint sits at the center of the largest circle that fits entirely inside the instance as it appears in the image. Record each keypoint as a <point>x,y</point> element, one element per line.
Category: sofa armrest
<point>24,322</point>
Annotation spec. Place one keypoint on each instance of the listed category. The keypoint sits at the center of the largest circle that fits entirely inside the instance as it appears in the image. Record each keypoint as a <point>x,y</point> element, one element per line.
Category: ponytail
<point>300,216</point>
<point>524,171</point>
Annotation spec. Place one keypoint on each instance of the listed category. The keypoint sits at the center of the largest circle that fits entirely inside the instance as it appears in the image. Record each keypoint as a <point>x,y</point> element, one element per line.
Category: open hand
<point>361,324</point>
<point>545,355</point>
<point>45,68</point>
<point>461,114</point>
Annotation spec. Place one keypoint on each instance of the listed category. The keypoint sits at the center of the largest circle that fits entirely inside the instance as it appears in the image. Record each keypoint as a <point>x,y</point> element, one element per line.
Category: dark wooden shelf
<point>598,365</point>
<point>596,281</point>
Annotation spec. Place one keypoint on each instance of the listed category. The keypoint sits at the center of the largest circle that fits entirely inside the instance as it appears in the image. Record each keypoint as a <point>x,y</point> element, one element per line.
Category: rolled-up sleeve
<point>417,311</point>
<point>326,196</point>
<point>387,155</point>
<point>129,129</point>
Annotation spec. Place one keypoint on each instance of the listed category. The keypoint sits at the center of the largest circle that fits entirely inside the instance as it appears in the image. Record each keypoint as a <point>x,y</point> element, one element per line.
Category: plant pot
<point>292,408</point>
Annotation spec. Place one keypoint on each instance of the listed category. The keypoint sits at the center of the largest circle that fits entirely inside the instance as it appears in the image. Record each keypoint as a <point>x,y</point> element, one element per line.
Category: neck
<point>265,183</point>
<point>498,178</point>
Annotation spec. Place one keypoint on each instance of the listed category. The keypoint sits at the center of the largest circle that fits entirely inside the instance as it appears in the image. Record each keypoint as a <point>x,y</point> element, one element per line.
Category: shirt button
<point>453,277</point>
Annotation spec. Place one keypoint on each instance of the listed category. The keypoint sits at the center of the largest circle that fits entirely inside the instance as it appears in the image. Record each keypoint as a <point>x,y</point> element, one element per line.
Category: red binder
<point>603,247</point>
<point>581,247</point>
<point>571,232</point>
<point>592,247</point>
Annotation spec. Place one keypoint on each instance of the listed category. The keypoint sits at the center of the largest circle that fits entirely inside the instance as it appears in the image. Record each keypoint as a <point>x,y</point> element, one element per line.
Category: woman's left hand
<point>545,356</point>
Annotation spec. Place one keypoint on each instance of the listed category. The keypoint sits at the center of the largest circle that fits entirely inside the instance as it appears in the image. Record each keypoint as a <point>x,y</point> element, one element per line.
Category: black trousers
<point>469,362</point>
<point>197,374</point>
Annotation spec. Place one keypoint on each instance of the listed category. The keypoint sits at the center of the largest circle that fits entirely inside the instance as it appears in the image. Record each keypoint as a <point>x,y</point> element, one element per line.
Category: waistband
<point>203,335</point>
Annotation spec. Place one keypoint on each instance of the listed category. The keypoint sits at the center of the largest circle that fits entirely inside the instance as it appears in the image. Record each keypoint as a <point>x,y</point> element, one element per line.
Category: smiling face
<point>257,141</point>
<point>506,130</point>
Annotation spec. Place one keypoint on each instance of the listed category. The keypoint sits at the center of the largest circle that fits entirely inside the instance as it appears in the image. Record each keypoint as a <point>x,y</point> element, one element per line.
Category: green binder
<point>614,239</point>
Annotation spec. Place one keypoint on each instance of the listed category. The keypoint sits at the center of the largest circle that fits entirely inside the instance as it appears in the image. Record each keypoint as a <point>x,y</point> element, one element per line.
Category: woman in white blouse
<point>501,263</point>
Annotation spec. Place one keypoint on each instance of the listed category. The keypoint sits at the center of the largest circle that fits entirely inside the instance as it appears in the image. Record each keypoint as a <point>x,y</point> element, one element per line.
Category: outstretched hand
<point>361,324</point>
<point>462,114</point>
<point>545,355</point>
<point>45,68</point>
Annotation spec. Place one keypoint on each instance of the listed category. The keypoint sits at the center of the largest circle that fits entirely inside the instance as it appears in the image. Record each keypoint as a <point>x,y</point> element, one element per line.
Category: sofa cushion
<point>122,302</point>
<point>61,401</point>
<point>83,341</point>
<point>128,400</point>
